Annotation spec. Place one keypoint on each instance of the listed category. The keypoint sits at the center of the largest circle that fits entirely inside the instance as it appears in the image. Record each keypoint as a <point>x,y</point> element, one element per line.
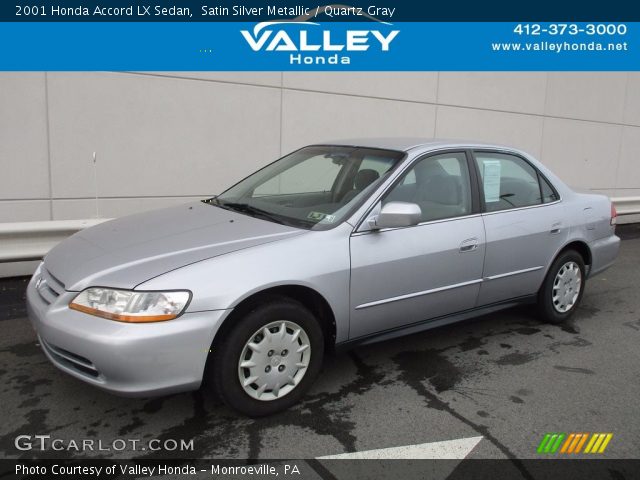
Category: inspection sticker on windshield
<point>319,217</point>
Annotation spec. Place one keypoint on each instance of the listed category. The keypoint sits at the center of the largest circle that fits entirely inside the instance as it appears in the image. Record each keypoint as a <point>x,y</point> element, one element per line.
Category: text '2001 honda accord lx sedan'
<point>333,245</point>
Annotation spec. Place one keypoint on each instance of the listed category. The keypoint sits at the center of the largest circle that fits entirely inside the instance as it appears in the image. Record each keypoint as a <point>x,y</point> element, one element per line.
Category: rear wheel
<point>269,359</point>
<point>563,287</point>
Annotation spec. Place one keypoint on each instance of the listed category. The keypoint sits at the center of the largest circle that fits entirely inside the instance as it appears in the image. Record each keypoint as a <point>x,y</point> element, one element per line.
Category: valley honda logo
<point>309,44</point>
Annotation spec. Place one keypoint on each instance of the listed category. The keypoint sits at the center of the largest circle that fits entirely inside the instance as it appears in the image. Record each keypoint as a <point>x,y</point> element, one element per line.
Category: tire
<point>562,289</point>
<point>283,376</point>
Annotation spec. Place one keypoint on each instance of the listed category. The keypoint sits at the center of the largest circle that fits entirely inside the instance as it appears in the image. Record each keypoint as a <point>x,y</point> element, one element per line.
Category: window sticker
<point>321,217</point>
<point>491,180</point>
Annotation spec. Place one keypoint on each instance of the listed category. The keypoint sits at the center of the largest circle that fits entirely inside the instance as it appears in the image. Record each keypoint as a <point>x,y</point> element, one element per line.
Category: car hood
<point>125,252</point>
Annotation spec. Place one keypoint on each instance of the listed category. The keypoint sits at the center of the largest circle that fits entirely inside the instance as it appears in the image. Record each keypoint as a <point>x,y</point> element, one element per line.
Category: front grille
<point>71,360</point>
<point>48,286</point>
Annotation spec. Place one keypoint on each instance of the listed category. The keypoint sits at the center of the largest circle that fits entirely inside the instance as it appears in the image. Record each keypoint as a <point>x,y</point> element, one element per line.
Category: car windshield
<point>313,188</point>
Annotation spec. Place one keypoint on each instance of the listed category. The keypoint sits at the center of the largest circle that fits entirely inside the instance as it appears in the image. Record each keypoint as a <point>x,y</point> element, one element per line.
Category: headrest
<point>364,178</point>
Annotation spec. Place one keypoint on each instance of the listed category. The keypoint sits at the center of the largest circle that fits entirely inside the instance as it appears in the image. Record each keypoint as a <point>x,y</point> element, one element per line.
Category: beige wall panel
<point>156,136</point>
<point>632,104</point>
<point>583,154</point>
<point>629,167</point>
<point>270,79</point>
<point>411,86</point>
<point>24,210</point>
<point>521,92</point>
<point>113,207</point>
<point>598,96</point>
<point>521,131</point>
<point>23,136</point>
<point>315,117</point>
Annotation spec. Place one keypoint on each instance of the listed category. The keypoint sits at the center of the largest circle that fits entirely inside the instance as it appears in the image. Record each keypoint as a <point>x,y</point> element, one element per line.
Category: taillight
<point>614,215</point>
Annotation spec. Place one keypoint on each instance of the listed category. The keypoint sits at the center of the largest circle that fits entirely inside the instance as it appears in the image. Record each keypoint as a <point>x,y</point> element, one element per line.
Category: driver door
<point>402,276</point>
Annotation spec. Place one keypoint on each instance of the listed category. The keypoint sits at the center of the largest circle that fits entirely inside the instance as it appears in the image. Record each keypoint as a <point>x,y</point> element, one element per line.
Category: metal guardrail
<point>627,205</point>
<point>27,241</point>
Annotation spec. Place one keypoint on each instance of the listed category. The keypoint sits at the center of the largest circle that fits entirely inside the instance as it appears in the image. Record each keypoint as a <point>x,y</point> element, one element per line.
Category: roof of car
<point>405,144</point>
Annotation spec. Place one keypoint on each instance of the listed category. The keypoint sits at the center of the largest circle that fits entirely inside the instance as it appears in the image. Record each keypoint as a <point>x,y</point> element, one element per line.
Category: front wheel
<point>563,287</point>
<point>269,359</point>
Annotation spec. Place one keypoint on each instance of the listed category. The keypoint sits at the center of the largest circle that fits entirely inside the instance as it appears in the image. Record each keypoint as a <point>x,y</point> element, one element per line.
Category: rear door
<point>524,226</point>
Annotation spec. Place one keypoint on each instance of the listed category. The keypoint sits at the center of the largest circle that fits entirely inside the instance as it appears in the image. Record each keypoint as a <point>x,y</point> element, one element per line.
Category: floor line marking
<point>447,449</point>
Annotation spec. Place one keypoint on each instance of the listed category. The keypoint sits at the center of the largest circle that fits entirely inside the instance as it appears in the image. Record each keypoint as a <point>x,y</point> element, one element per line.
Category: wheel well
<point>308,297</point>
<point>580,247</point>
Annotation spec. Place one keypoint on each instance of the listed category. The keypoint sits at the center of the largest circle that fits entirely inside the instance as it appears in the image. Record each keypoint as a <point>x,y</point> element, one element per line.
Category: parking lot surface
<point>505,377</point>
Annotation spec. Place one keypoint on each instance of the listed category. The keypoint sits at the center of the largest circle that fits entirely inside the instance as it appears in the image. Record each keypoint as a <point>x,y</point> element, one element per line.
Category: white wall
<point>164,138</point>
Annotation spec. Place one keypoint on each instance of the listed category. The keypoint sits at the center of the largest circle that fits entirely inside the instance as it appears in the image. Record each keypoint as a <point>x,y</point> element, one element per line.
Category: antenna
<point>95,183</point>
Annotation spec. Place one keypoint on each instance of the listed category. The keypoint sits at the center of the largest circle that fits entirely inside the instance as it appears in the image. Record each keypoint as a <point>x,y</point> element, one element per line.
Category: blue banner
<point>280,45</point>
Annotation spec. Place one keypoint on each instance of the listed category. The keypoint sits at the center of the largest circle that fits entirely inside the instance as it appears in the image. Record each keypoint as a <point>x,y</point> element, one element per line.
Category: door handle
<point>555,228</point>
<point>469,245</point>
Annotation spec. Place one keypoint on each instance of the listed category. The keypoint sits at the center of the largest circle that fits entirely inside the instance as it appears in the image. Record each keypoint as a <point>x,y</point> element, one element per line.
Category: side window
<point>548,193</point>
<point>409,178</point>
<point>439,184</point>
<point>507,181</point>
<point>315,174</point>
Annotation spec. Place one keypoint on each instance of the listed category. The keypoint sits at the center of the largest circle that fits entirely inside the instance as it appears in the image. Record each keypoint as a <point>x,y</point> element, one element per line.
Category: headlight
<point>131,306</point>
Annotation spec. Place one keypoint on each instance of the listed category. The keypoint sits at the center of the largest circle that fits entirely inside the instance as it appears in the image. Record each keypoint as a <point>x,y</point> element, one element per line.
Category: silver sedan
<point>333,245</point>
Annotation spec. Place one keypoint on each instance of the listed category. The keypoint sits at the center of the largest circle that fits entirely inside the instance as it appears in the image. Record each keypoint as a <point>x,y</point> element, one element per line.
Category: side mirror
<point>396,214</point>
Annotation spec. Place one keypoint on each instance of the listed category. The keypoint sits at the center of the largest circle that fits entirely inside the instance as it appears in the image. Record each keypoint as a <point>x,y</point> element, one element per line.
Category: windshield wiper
<point>250,209</point>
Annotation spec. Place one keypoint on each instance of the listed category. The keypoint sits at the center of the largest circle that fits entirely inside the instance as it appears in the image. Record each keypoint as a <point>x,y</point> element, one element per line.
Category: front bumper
<point>122,358</point>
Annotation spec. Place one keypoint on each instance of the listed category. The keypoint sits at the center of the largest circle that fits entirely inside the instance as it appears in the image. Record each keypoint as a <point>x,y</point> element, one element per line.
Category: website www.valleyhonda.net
<point>560,47</point>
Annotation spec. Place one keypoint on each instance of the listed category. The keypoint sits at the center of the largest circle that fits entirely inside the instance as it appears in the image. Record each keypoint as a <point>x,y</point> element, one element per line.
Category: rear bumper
<point>126,359</point>
<point>603,253</point>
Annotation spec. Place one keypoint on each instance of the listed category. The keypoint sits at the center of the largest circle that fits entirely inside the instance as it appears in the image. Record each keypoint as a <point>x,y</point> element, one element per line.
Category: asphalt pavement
<point>504,377</point>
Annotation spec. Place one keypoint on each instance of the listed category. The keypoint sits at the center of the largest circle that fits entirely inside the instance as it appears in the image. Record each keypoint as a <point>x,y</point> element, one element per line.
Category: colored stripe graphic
<point>572,443</point>
<point>552,439</point>
<point>594,437</point>
<point>582,440</point>
<point>551,442</point>
<point>556,445</point>
<point>605,443</point>
<point>543,443</point>
<point>598,442</point>
<point>567,443</point>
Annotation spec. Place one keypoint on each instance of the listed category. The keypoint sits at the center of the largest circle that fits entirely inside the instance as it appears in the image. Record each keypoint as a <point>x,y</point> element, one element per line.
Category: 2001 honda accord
<point>337,244</point>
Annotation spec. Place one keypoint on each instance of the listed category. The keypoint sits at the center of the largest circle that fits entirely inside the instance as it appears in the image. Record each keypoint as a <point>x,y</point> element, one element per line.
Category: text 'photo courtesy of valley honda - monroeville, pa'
<point>334,245</point>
